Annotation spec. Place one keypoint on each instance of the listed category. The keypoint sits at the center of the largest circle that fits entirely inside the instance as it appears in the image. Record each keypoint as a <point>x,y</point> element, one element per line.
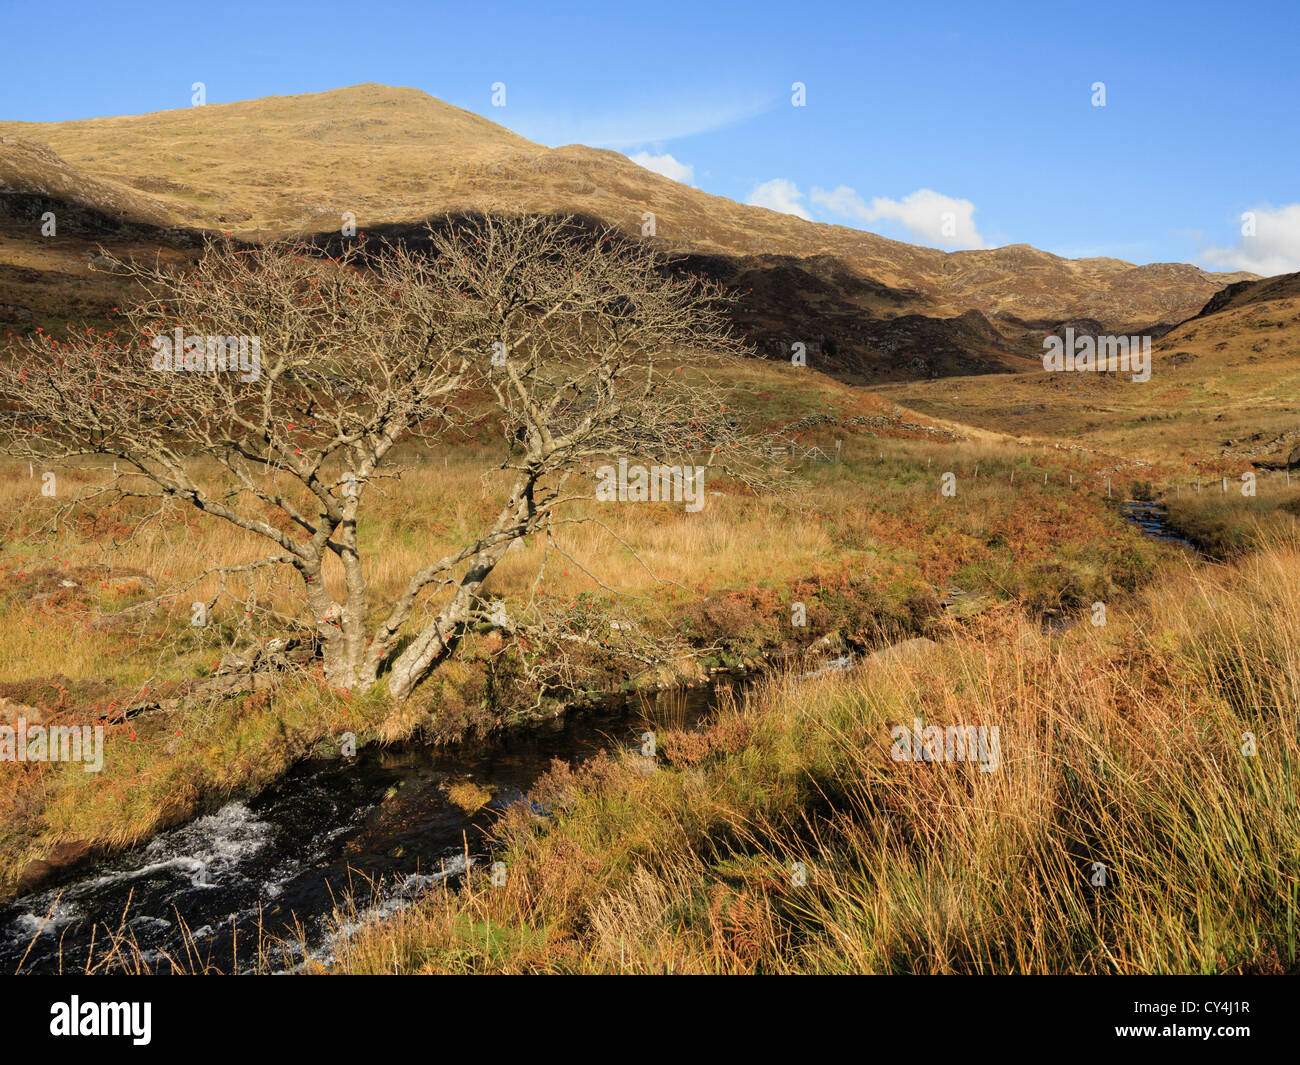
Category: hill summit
<point>295,165</point>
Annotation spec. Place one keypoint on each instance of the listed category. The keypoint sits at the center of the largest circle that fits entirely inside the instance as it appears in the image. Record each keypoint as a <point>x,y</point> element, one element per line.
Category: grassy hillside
<point>1121,743</point>
<point>1221,397</point>
<point>295,164</point>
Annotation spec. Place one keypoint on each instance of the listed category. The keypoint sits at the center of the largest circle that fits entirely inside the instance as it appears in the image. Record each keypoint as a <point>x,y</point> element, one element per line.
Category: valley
<point>861,502</point>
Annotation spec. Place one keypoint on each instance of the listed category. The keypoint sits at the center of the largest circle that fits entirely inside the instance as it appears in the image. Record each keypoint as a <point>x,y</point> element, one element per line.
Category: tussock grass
<point>865,549</point>
<point>1120,745</point>
<point>1227,524</point>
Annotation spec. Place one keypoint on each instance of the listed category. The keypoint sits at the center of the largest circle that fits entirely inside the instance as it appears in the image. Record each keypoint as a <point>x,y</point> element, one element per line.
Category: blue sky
<point>977,115</point>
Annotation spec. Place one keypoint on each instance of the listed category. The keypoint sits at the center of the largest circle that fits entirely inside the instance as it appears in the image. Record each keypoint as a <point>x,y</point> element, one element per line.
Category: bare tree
<point>573,342</point>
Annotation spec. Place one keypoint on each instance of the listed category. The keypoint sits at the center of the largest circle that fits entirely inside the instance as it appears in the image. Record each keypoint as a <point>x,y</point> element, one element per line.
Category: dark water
<point>1153,520</point>
<point>379,827</point>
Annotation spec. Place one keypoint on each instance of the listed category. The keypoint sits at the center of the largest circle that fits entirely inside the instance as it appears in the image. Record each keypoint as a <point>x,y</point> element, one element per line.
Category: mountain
<point>1222,392</point>
<point>865,306</point>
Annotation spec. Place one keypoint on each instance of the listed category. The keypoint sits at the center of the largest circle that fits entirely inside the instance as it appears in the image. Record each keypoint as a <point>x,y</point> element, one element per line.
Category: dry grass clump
<point>1160,750</point>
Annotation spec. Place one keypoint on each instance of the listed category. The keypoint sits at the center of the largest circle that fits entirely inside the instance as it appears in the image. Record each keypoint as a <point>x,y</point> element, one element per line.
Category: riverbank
<point>253,884</point>
<point>1142,817</point>
<point>1226,525</point>
<point>208,871</point>
<point>874,551</point>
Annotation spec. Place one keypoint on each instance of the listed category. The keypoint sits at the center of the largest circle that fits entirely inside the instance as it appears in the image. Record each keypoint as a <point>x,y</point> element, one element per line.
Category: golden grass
<point>868,537</point>
<point>469,796</point>
<point>1120,745</point>
<point>1221,394</point>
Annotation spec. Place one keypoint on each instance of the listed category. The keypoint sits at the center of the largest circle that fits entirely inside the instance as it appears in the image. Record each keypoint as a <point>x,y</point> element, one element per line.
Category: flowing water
<point>1153,520</point>
<point>379,827</point>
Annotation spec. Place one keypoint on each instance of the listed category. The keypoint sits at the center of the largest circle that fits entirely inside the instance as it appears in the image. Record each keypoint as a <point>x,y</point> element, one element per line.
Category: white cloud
<point>1274,249</point>
<point>637,124</point>
<point>780,195</point>
<point>927,215</point>
<point>665,164</point>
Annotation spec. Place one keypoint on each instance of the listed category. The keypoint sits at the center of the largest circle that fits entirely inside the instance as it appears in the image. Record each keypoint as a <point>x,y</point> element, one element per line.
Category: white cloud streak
<point>638,126</point>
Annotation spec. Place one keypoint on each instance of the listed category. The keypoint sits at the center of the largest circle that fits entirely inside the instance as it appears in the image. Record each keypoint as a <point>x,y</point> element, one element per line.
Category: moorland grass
<point>1160,750</point>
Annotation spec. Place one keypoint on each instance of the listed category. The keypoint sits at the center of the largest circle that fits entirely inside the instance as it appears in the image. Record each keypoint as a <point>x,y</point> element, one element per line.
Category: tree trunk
<point>415,663</point>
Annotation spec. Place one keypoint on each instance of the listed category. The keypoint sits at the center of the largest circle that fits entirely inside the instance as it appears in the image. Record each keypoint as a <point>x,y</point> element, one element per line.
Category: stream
<point>379,828</point>
<point>1153,520</point>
